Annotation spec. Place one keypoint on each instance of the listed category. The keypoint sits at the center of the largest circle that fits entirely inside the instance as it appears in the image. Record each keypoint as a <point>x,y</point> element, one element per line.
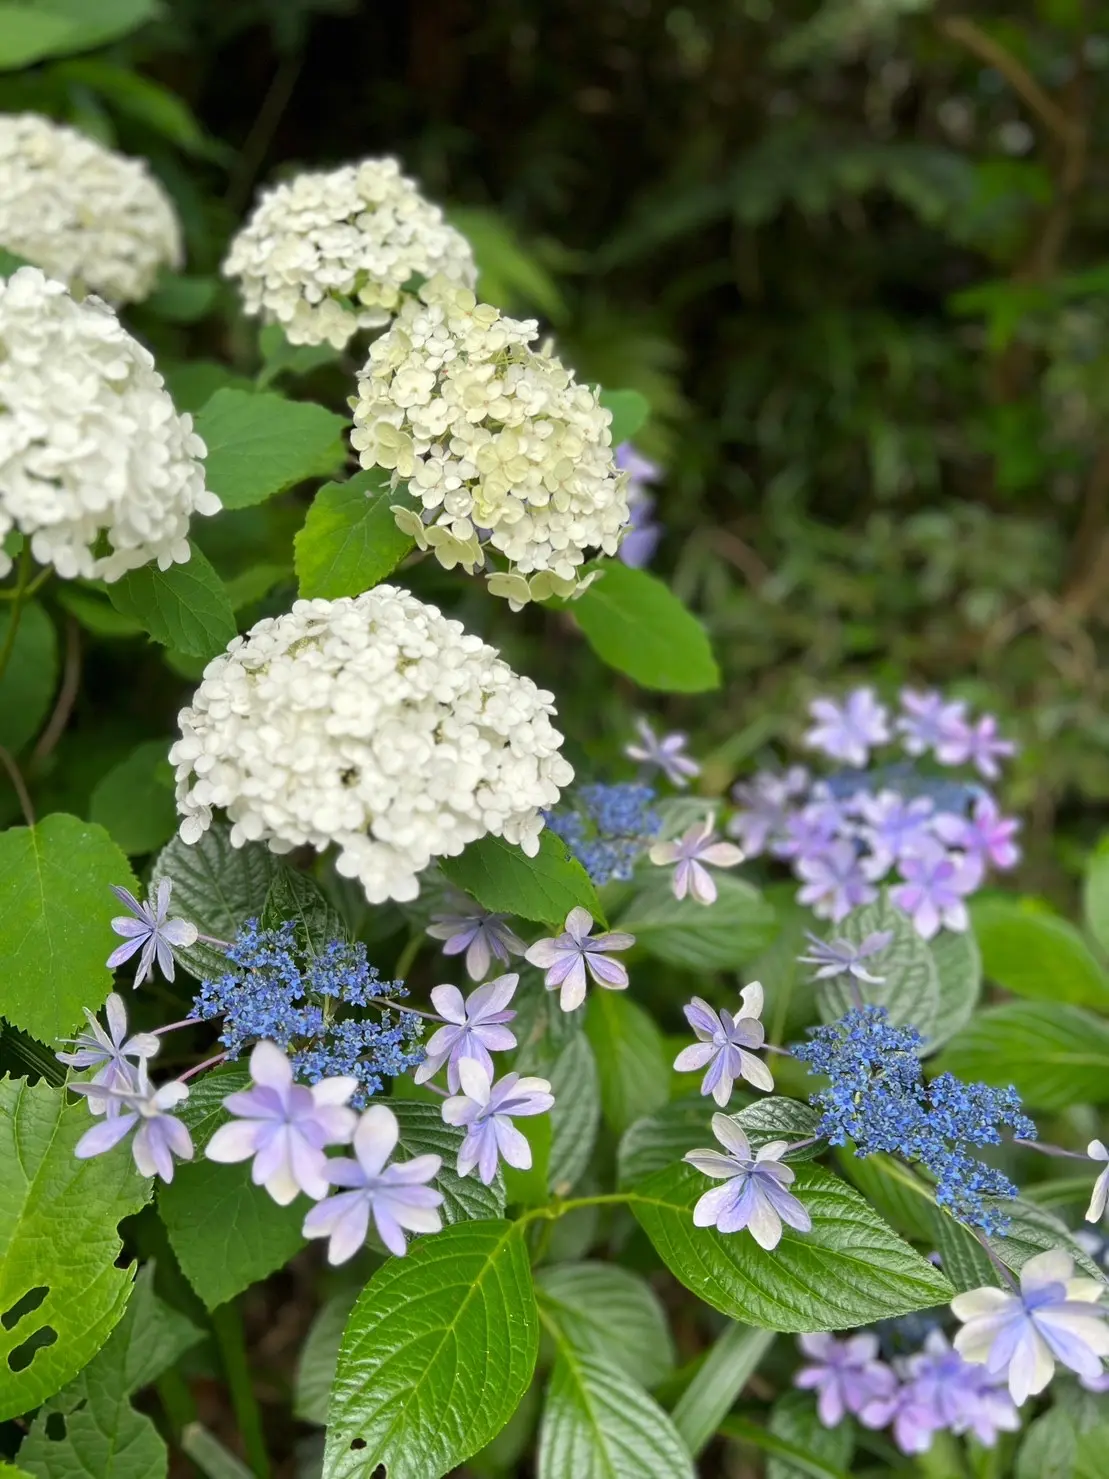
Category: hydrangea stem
<point>227,1327</point>
<point>407,957</point>
<point>1054,1150</point>
<point>17,596</point>
<point>200,1067</point>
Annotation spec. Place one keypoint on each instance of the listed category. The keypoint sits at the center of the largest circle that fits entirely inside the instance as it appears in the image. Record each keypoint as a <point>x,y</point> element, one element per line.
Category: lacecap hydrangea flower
<point>97,469</point>
<point>608,828</point>
<point>374,723</point>
<point>86,215</point>
<point>328,253</point>
<point>496,441</point>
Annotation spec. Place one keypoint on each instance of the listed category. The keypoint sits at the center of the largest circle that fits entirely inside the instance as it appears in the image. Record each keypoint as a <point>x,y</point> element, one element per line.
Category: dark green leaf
<point>794,1418</point>
<point>185,607</point>
<point>631,1058</point>
<point>629,410</point>
<point>319,1356</point>
<point>350,540</point>
<point>638,626</point>
<point>33,29</point>
<point>682,932</point>
<point>576,1113</point>
<point>910,986</point>
<point>261,443</point>
<point>658,1140</point>
<point>775,1118</point>
<point>296,896</point>
<point>800,1459</point>
<point>603,1310</point>
<point>422,1132</point>
<point>959,967</point>
<point>282,358</point>
<point>450,1328</point>
<point>731,1361</point>
<point>1035,954</point>
<point>505,881</point>
<point>27,686</point>
<point>1054,1054</point>
<point>134,801</point>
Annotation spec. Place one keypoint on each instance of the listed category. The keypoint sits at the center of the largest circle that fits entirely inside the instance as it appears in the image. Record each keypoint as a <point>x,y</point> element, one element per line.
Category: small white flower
<point>1097,1151</point>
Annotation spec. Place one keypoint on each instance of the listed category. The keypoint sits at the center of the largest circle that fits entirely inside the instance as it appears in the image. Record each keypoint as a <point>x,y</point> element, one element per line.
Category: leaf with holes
<point>451,1328</point>
<point>603,1310</point>
<point>1054,1054</point>
<point>636,624</point>
<point>909,988</point>
<point>422,1132</point>
<point>218,887</point>
<point>684,933</point>
<point>61,1290</point>
<point>599,1425</point>
<point>261,443</point>
<point>55,923</point>
<point>631,1058</point>
<point>505,880</point>
<point>851,1269</point>
<point>350,540</point>
<point>185,608</point>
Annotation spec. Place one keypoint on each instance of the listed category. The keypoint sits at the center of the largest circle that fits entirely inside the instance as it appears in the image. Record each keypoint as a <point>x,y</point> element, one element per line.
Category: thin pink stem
<point>200,1067</point>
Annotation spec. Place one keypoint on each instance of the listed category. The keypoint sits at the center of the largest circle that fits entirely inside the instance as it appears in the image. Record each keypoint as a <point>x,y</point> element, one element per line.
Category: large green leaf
<point>631,1058</point>
<point>794,1418</point>
<point>851,1269</point>
<point>909,986</point>
<point>599,1425</point>
<point>1032,953</point>
<point>630,410</point>
<point>90,1427</point>
<point>682,932</point>
<point>605,1311</point>
<point>61,1288</point>
<point>218,887</point>
<point>350,540</point>
<point>729,1364</point>
<point>33,29</point>
<point>55,922</point>
<point>437,1353</point>
<point>777,1118</point>
<point>801,1460</point>
<point>959,968</point>
<point>260,443</point>
<point>505,881</point>
<point>636,624</point>
<point>134,801</point>
<point>30,676</point>
<point>422,1132</point>
<point>1095,893</point>
<point>185,608</point>
<point>1055,1055</point>
<point>575,1115</point>
<point>319,1356</point>
<point>658,1140</point>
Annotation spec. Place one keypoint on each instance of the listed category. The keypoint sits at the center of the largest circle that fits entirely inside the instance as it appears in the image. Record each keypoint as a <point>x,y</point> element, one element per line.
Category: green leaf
<point>100,1433</point>
<point>319,1357</point>
<point>1035,954</point>
<point>851,1269</point>
<point>682,932</point>
<point>508,274</point>
<point>185,607</point>
<point>776,1118</point>
<point>635,624</point>
<point>193,383</point>
<point>630,410</point>
<point>34,29</point>
<point>910,985</point>
<point>602,1310</point>
<point>450,1328</point>
<point>1055,1055</point>
<point>281,358</point>
<point>631,1058</point>
<point>658,1140</point>
<point>1048,1449</point>
<point>298,897</point>
<point>422,1132</point>
<point>529,1188</point>
<point>505,880</point>
<point>1034,1230</point>
<point>1095,893</point>
<point>183,300</point>
<point>55,925</point>
<point>96,613</point>
<point>732,1360</point>
<point>218,887</point>
<point>134,801</point>
<point>210,1456</point>
<point>962,1257</point>
<point>800,1460</point>
<point>138,97</point>
<point>794,1418</point>
<point>58,1239</point>
<point>227,1233</point>
<point>29,680</point>
<point>9,263</point>
<point>599,1425</point>
<point>261,443</point>
<point>959,967</point>
<point>350,540</point>
<point>575,1115</point>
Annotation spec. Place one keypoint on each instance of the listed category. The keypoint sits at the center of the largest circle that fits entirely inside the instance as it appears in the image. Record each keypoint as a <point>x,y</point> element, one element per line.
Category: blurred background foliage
<point>854,254</point>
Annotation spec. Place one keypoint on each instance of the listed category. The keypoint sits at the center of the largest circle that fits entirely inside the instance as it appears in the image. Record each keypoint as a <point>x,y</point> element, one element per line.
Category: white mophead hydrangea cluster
<point>97,468</point>
<point>495,439</point>
<point>89,217</point>
<point>375,723</point>
<point>327,254</point>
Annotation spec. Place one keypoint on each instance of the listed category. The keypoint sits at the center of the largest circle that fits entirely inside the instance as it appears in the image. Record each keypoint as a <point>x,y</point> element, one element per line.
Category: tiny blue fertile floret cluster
<point>608,828</point>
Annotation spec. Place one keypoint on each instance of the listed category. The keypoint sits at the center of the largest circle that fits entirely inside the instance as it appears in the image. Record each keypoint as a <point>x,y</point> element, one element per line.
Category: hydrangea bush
<point>594,1116</point>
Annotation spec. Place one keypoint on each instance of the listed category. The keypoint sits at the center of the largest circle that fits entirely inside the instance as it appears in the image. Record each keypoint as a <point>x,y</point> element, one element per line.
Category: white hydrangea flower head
<point>92,218</point>
<point>375,723</point>
<point>97,468</point>
<point>328,253</point>
<point>495,439</point>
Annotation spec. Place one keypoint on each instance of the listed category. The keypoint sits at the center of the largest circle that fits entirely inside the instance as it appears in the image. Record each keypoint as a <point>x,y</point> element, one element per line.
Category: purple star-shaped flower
<point>811,829</point>
<point>834,882</point>
<point>935,889</point>
<point>754,1194</point>
<point>723,1044</point>
<point>665,753</point>
<point>946,1393</point>
<point>108,1053</point>
<point>928,720</point>
<point>845,1374</point>
<point>848,731</point>
<point>484,937</point>
<point>487,1110</point>
<point>691,851</point>
<point>396,1196</point>
<point>841,958</point>
<point>285,1126</point>
<point>566,956</point>
<point>475,1028</point>
<point>978,744</point>
<point>160,1135</point>
<point>912,1419</point>
<point>1054,1317</point>
<point>765,806</point>
<point>986,835</point>
<point>149,931</point>
<point>893,828</point>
